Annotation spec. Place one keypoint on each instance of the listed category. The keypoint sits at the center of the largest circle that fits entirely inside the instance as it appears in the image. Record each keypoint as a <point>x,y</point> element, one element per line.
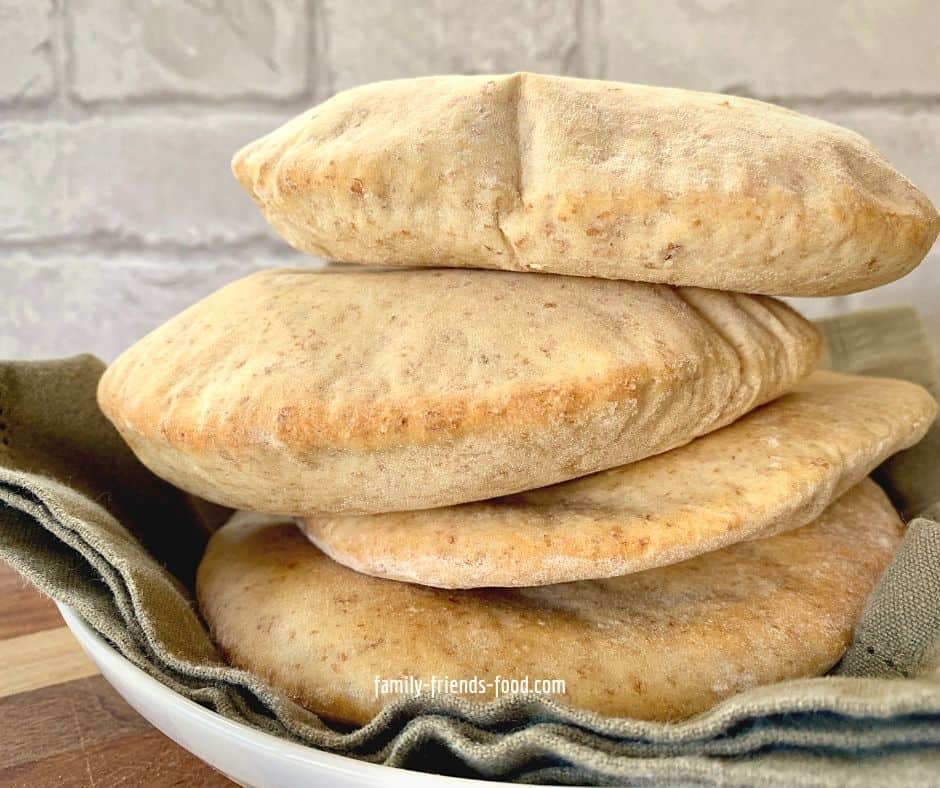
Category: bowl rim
<point>106,657</point>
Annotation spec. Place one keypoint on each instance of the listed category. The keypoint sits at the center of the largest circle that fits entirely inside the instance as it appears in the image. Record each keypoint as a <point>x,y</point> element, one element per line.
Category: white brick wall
<point>366,42</point>
<point>153,179</point>
<point>773,47</point>
<point>118,119</point>
<point>124,49</point>
<point>26,50</point>
<point>96,303</point>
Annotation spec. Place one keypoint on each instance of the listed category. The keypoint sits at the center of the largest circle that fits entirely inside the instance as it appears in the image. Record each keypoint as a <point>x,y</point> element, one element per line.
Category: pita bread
<point>775,469</point>
<point>661,644</point>
<point>536,173</point>
<point>358,390</point>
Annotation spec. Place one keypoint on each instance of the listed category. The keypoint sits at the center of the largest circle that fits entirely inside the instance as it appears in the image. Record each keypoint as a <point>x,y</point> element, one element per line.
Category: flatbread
<point>661,644</point>
<point>358,390</point>
<point>775,469</point>
<point>536,173</point>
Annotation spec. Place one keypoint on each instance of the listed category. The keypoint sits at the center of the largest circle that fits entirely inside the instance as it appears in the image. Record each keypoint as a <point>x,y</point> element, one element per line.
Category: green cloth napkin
<point>88,525</point>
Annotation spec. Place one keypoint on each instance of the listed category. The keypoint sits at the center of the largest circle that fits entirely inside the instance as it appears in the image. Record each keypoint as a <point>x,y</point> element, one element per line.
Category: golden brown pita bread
<point>536,173</point>
<point>661,644</point>
<point>777,468</point>
<point>358,390</point>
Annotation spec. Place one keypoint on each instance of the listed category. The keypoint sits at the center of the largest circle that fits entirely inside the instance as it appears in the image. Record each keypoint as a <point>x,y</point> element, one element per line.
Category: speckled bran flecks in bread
<point>357,390</point>
<point>538,173</point>
<point>661,644</point>
<point>774,469</point>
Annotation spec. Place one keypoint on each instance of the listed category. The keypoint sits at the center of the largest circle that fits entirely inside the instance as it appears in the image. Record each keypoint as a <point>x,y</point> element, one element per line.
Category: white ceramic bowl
<point>247,756</point>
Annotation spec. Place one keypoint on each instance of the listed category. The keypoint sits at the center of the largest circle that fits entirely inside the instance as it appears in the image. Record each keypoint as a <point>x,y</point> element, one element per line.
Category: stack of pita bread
<point>606,460</point>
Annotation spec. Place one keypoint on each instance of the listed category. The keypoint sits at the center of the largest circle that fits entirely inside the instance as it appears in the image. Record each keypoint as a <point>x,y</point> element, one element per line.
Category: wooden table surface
<point>61,723</point>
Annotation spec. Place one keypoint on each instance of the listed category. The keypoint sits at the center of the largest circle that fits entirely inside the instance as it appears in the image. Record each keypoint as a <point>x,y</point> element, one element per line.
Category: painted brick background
<point>118,119</point>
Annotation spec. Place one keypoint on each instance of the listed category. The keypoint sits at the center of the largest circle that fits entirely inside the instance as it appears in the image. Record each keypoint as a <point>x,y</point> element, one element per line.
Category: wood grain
<point>53,720</point>
<point>22,610</point>
<point>41,659</point>
<point>61,724</point>
<point>147,758</point>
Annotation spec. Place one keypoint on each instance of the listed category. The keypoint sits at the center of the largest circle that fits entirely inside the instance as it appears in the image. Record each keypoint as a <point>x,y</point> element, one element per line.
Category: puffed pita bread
<point>661,644</point>
<point>538,173</point>
<point>358,390</point>
<point>774,469</point>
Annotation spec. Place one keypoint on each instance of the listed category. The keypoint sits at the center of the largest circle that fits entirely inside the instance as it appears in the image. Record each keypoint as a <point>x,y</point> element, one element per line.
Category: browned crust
<point>419,420</point>
<point>348,385</point>
<point>675,640</point>
<point>832,218</point>
<point>823,438</point>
